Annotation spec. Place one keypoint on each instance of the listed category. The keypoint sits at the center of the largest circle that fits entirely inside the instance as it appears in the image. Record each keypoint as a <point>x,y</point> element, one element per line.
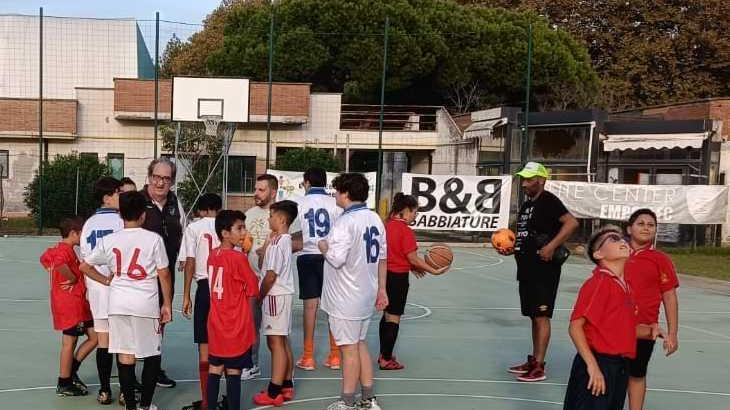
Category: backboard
<point>198,98</point>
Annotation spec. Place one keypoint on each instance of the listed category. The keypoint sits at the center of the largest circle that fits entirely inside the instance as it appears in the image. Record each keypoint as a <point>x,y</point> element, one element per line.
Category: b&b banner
<point>460,203</point>
<point>682,204</point>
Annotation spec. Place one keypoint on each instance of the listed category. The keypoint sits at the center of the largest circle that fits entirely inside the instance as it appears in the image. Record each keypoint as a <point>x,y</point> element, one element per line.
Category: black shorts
<point>239,362</point>
<point>79,330</point>
<point>396,286</point>
<point>638,366</point>
<point>616,375</point>
<point>311,276</point>
<point>200,312</point>
<point>538,288</point>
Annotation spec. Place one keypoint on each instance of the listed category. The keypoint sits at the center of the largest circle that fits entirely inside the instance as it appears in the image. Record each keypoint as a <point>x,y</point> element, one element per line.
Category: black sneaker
<point>104,397</point>
<point>138,386</point>
<point>78,383</point>
<point>164,381</point>
<point>70,390</point>
<point>194,406</point>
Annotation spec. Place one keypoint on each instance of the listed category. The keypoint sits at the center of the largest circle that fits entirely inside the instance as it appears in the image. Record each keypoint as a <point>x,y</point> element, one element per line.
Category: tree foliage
<point>300,159</point>
<point>59,188</point>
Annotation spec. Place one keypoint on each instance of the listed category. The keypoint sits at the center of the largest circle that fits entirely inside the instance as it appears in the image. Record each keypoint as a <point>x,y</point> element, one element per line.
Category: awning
<point>483,129</point>
<point>655,141</point>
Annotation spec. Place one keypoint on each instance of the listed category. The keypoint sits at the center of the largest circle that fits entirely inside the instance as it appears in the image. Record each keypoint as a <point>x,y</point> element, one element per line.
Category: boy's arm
<point>166,285</point>
<point>671,310</point>
<point>92,273</point>
<point>66,272</point>
<point>596,382</point>
<point>381,302</point>
<point>189,269</point>
<point>336,246</point>
<point>267,283</point>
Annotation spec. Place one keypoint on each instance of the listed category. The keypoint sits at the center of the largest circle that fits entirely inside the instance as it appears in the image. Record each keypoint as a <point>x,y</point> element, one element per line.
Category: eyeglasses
<point>613,237</point>
<point>159,178</point>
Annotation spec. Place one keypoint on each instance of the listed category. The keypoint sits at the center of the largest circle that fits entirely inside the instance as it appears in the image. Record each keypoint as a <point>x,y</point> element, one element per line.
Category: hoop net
<point>211,125</point>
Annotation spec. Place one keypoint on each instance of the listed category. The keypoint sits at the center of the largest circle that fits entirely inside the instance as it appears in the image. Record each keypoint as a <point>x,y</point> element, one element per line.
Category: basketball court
<point>461,331</point>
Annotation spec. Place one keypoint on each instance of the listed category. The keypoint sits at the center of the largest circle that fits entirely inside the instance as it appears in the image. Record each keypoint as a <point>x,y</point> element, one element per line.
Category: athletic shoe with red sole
<point>523,368</point>
<point>287,393</point>
<point>263,399</point>
<point>333,362</point>
<point>391,364</point>
<point>536,374</point>
<point>306,363</point>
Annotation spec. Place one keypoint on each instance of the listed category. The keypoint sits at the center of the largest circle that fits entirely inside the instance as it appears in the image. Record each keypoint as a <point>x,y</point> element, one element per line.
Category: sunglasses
<point>613,237</point>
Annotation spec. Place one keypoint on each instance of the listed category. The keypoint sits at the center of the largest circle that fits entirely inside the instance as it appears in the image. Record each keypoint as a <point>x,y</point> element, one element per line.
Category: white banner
<point>682,204</point>
<point>460,203</point>
<point>290,185</point>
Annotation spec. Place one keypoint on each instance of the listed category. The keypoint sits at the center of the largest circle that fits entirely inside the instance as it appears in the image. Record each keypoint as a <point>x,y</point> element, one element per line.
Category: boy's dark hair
<point>74,223</point>
<point>127,181</point>
<point>643,211</point>
<point>402,201</point>
<point>354,184</point>
<point>316,177</point>
<point>132,205</point>
<point>225,219</point>
<point>270,179</point>
<point>288,208</point>
<point>596,236</point>
<point>105,186</point>
<point>209,202</point>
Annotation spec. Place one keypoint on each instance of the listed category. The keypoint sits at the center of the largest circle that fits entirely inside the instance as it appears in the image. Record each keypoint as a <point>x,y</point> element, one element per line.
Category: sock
<point>104,362</point>
<point>274,390</point>
<point>288,384</point>
<point>367,392</point>
<point>126,383</point>
<point>348,398</point>
<point>308,348</point>
<point>334,349</point>
<point>203,373</point>
<point>75,366</point>
<point>233,391</point>
<point>388,335</point>
<point>150,373</point>
<point>214,385</point>
<point>64,381</point>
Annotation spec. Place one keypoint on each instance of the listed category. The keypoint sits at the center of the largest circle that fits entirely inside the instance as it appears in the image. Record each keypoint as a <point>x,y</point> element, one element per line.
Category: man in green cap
<point>543,225</point>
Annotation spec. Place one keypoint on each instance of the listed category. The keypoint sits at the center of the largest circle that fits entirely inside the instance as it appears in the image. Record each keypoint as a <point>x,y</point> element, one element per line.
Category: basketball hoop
<point>211,125</point>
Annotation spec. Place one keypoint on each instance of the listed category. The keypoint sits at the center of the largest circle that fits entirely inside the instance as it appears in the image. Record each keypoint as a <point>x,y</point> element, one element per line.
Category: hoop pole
<point>40,122</point>
<point>175,149</point>
<point>157,76</point>
<point>271,63</point>
<point>379,175</point>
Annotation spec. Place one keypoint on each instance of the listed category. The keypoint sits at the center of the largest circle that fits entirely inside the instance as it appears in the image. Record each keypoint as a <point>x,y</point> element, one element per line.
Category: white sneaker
<point>371,404</point>
<point>340,405</point>
<point>248,374</point>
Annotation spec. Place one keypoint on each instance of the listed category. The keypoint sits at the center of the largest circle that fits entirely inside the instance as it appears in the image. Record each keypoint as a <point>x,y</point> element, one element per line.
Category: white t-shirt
<point>318,212</point>
<point>257,224</point>
<point>356,245</point>
<point>104,222</point>
<point>278,259</point>
<point>133,255</point>
<point>198,240</point>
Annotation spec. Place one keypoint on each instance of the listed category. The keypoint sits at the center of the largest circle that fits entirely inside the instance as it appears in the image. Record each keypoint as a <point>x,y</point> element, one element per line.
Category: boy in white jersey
<point>275,296</point>
<point>136,258</point>
<point>354,281</point>
<point>105,221</point>
<point>318,211</point>
<point>198,241</point>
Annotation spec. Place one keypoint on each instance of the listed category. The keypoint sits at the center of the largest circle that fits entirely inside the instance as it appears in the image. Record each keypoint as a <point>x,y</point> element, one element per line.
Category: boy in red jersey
<point>231,331</point>
<point>69,307</point>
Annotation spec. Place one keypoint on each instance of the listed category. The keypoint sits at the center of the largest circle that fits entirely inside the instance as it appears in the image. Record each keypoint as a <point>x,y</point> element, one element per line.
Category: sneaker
<point>71,390</point>
<point>391,364</point>
<point>194,406</point>
<point>333,361</point>
<point>164,381</point>
<point>104,397</point>
<point>288,393</point>
<point>371,404</point>
<point>138,387</point>
<point>78,383</point>
<point>536,374</point>
<point>524,367</point>
<point>263,399</point>
<point>341,405</point>
<point>306,363</point>
<point>248,374</point>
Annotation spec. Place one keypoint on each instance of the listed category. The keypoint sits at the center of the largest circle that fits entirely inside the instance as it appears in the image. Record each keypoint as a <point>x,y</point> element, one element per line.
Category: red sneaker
<point>536,374</point>
<point>287,393</point>
<point>306,363</point>
<point>391,364</point>
<point>524,367</point>
<point>333,361</point>
<point>263,399</point>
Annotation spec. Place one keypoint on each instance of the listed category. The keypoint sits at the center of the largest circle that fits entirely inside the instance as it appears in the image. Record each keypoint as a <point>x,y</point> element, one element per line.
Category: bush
<point>299,159</point>
<point>59,188</point>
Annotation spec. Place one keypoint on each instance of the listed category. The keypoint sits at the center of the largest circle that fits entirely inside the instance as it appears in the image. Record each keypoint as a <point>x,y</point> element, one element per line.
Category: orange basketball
<point>246,243</point>
<point>439,255</point>
<point>503,239</point>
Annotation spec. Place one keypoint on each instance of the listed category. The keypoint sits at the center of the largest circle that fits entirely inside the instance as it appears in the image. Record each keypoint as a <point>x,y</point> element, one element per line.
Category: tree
<point>59,188</point>
<point>299,159</point>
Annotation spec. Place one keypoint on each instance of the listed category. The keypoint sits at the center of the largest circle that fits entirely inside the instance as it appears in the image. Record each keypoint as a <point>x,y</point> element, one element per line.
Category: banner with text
<point>460,203</point>
<point>683,204</point>
<point>290,185</point>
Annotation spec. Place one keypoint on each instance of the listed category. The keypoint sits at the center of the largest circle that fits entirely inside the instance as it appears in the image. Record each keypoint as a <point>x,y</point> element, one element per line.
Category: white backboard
<point>194,98</point>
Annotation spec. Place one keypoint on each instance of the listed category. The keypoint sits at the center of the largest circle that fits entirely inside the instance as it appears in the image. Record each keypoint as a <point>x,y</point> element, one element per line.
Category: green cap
<point>534,169</point>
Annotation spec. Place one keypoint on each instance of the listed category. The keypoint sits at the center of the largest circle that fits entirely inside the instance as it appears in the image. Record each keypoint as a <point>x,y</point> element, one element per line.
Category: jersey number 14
<point>217,281</point>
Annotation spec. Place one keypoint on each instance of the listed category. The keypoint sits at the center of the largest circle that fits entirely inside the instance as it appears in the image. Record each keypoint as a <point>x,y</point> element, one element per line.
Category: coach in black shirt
<point>543,225</point>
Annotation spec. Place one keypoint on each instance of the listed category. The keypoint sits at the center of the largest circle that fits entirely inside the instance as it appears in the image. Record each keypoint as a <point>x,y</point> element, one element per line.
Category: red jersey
<point>68,307</point>
<point>650,273</point>
<point>231,329</point>
<point>401,242</point>
<point>608,307</point>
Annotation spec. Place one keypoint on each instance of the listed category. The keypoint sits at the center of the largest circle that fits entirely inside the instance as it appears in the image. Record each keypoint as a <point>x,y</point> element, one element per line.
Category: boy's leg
<point>540,337</point>
<point>104,359</point>
<point>637,373</point>
<point>233,389</point>
<point>310,320</point>
<point>366,370</point>
<point>68,344</point>
<point>289,374</point>
<point>256,310</point>
<point>125,366</point>
<point>150,373</point>
<point>213,385</point>
<point>200,335</point>
<point>203,368</point>
<point>637,392</point>
<point>350,372</point>
<point>278,363</point>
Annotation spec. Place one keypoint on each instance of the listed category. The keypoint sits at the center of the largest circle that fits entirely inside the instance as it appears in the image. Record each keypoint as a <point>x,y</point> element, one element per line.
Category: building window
<point>115,162</point>
<point>559,143</point>
<point>241,174</point>
<point>94,155</point>
<point>4,163</point>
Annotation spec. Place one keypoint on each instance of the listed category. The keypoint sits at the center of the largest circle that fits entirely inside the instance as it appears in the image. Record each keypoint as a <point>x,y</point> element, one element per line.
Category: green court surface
<point>462,330</point>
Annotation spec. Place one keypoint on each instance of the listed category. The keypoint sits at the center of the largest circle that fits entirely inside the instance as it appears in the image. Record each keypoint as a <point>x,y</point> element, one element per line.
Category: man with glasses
<point>543,225</point>
<point>166,217</point>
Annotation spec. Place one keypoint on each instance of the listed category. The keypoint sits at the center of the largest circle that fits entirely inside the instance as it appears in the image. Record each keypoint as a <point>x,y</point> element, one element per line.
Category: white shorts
<point>98,297</point>
<point>276,315</point>
<point>101,325</point>
<point>348,332</point>
<point>138,336</point>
